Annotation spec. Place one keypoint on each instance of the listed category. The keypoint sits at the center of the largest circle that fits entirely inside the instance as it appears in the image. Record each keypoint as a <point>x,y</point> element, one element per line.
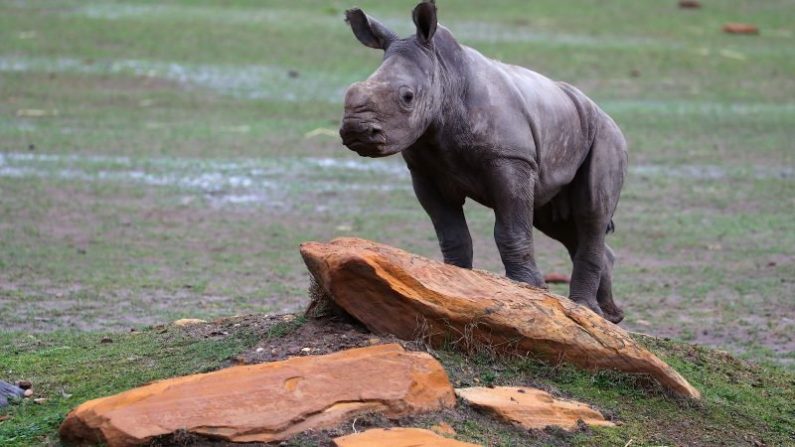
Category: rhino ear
<point>424,16</point>
<point>369,31</point>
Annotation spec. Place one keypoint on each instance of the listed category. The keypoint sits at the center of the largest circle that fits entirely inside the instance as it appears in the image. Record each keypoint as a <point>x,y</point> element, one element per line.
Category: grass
<point>161,160</point>
<point>742,403</point>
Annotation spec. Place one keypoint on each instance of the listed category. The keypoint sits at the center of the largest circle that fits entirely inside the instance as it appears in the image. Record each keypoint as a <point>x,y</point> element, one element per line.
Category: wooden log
<point>394,292</point>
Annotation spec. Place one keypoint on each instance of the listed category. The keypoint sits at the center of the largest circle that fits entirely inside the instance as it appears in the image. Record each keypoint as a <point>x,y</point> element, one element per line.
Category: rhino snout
<point>362,136</point>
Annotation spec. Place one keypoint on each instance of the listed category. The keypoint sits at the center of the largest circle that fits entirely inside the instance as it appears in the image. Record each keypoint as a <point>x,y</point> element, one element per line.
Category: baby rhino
<point>538,152</point>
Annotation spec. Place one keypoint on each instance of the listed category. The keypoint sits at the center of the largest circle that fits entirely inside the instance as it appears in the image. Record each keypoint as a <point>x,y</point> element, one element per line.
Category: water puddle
<point>279,183</point>
<point>243,81</point>
<point>711,172</point>
<point>284,183</point>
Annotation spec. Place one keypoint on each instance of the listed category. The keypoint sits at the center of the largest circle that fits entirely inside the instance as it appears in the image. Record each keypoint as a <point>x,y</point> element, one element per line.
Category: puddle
<point>283,183</point>
<point>680,107</point>
<point>711,172</point>
<point>279,183</point>
<point>243,81</point>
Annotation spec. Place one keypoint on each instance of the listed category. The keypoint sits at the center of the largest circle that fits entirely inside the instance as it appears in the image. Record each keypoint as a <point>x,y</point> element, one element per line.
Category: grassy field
<point>161,160</point>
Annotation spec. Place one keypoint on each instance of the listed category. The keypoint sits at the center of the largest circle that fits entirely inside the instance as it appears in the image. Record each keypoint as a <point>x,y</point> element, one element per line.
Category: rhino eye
<point>406,95</point>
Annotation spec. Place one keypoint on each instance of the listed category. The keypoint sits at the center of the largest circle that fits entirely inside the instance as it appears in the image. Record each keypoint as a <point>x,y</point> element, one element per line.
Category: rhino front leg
<point>511,186</point>
<point>448,220</point>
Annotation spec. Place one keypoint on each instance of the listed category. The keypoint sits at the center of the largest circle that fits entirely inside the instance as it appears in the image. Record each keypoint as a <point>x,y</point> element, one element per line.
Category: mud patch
<point>240,81</point>
<point>279,183</point>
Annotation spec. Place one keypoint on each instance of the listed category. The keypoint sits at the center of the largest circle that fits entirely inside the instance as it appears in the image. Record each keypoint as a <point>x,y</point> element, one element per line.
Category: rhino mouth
<point>366,138</point>
<point>367,149</point>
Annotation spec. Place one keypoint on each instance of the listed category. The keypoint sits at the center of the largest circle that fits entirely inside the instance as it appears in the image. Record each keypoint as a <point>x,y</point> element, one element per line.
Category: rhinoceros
<point>538,152</point>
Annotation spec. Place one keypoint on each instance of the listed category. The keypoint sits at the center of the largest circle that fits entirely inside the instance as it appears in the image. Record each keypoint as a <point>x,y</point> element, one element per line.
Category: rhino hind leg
<point>565,232</point>
<point>581,216</point>
<point>604,295</point>
<point>593,196</point>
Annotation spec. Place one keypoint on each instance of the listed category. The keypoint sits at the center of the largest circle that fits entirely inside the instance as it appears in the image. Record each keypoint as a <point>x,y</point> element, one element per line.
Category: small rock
<point>398,437</point>
<point>7,391</point>
<point>289,318</point>
<point>293,74</point>
<point>259,350</point>
<point>40,400</point>
<point>556,278</point>
<point>307,350</point>
<point>28,393</point>
<point>374,341</point>
<point>106,340</point>
<point>184,322</point>
<point>740,28</point>
<point>689,4</point>
<point>531,409</point>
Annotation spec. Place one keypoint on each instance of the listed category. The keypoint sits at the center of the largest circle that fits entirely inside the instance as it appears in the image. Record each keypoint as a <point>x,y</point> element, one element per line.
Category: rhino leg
<point>511,184</point>
<point>579,218</point>
<point>593,197</point>
<point>604,296</point>
<point>448,220</point>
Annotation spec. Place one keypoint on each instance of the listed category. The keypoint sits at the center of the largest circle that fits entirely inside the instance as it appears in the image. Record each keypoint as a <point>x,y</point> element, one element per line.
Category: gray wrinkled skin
<point>538,152</point>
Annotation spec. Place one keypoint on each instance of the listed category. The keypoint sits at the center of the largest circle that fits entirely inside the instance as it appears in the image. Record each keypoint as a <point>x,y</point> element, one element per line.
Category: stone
<point>267,402</point>
<point>394,292</point>
<point>8,390</point>
<point>184,322</point>
<point>398,437</point>
<point>689,4</point>
<point>740,28</point>
<point>531,408</point>
<point>556,278</point>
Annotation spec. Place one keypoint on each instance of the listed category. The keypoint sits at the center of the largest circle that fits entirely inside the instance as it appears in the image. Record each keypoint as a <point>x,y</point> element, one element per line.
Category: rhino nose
<point>356,130</point>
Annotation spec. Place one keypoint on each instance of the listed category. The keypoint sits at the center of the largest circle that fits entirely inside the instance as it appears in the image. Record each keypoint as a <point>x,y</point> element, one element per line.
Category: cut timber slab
<point>267,402</point>
<point>394,292</point>
<point>531,408</point>
<point>398,437</point>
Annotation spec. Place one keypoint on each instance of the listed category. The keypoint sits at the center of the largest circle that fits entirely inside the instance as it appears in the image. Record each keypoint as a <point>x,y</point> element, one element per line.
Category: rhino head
<point>390,110</point>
